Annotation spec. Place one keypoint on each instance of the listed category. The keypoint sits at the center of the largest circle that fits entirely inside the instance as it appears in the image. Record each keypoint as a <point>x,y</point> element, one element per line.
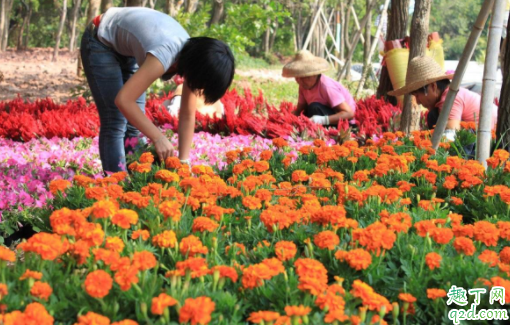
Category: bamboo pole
<point>459,72</point>
<point>312,27</point>
<point>368,64</point>
<point>483,134</point>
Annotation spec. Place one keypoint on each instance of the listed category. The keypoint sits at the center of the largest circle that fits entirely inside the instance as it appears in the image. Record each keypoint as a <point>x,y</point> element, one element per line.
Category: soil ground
<point>32,74</point>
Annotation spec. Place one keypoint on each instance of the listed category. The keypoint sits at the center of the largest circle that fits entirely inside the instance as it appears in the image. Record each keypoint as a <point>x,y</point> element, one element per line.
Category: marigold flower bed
<point>333,234</point>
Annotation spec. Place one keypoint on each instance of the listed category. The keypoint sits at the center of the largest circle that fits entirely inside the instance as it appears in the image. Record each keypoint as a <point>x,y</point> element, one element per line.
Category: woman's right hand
<point>164,148</point>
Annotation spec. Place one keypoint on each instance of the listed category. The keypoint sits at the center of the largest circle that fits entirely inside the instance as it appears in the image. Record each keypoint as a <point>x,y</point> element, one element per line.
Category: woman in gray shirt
<point>123,52</point>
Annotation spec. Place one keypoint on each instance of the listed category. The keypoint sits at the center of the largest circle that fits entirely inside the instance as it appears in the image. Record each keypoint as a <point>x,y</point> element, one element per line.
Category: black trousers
<point>318,109</point>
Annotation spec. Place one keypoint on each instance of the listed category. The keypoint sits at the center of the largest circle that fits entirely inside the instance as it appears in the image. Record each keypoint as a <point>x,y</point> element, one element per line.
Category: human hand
<point>164,148</point>
<point>324,120</point>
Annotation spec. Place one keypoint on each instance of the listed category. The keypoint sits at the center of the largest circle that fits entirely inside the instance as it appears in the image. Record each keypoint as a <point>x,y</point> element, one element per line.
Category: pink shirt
<point>326,92</point>
<point>466,106</point>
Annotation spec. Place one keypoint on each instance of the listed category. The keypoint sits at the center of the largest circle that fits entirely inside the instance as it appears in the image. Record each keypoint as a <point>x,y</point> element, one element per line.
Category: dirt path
<point>33,75</point>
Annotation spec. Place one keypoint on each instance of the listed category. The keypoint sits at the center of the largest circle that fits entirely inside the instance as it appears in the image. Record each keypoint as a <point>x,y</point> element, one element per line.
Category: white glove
<point>324,120</point>
<point>450,134</point>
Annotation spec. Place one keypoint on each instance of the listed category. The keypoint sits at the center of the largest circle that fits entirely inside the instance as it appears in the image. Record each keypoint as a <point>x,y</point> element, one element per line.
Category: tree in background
<point>398,18</point>
<point>419,34</point>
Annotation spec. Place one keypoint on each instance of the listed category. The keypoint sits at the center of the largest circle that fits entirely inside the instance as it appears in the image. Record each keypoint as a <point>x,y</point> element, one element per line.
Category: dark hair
<point>208,66</point>
<point>443,84</point>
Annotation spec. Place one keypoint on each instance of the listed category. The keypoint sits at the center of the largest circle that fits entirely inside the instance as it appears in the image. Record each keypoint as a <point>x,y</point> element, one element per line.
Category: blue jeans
<point>107,71</point>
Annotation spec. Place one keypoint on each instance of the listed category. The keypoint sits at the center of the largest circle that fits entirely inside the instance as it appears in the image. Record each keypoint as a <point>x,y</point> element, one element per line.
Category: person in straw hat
<point>322,99</point>
<point>428,83</point>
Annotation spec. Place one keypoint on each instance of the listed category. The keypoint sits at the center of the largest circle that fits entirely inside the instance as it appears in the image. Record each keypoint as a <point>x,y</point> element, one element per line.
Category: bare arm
<point>345,112</point>
<point>150,70</point>
<point>186,121</point>
<point>300,107</point>
<point>453,124</point>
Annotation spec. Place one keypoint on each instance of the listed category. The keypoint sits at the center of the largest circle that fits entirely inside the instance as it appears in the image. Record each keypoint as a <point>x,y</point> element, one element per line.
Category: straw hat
<point>305,64</point>
<point>422,71</point>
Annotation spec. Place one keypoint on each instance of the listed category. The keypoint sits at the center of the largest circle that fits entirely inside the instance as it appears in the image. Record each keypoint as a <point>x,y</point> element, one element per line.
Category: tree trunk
<point>419,33</point>
<point>191,6</point>
<point>7,17</point>
<point>27,34</point>
<point>60,29</point>
<point>105,5</point>
<point>93,10</point>
<point>368,40</point>
<point>217,12</point>
<point>273,36</point>
<point>74,20</point>
<point>152,3</point>
<point>26,11</point>
<point>503,126</point>
<point>398,18</point>
<point>134,3</point>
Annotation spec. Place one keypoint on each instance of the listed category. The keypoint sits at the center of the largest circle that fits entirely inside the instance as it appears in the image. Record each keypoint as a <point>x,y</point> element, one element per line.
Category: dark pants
<point>318,109</point>
<point>323,110</point>
<point>107,71</point>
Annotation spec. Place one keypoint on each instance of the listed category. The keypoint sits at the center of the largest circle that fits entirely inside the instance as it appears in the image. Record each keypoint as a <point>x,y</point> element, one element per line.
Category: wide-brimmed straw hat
<point>305,64</point>
<point>422,71</point>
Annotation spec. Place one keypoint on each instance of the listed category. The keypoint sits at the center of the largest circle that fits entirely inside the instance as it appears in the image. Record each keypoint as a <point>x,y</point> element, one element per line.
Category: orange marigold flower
<point>31,275</point>
<point>192,246</point>
<point>161,302</point>
<point>83,181</point>
<point>258,317</point>
<point>125,218</point>
<point>226,272</point>
<point>171,209</point>
<point>369,297</point>
<point>3,291</point>
<point>441,235</point>
<point>92,318</point>
<point>166,239</point>
<point>146,157</point>
<point>435,293</point>
<point>326,239</point>
<point>261,166</point>
<point>103,209</point>
<point>504,255</point>
<point>406,297</point>
<point>489,257</point>
<point>266,155</point>
<point>197,311</point>
<point>98,284</point>
<point>280,143</point>
<point>114,244</point>
<point>299,176</point>
<point>500,282</point>
<point>7,255</point>
<point>126,276</point>
<point>143,168</point>
<point>486,233</point>
<point>59,185</point>
<point>335,315</point>
<point>252,202</point>
<point>464,245</point>
<point>96,193</point>
<point>297,310</point>
<point>35,313</point>
<point>358,259</point>
<point>433,260</point>
<point>196,265</point>
<point>144,234</point>
<point>285,250</point>
<point>202,224</point>
<point>173,163</point>
<point>144,260</point>
<point>48,246</point>
<point>41,290</point>
<point>166,176</point>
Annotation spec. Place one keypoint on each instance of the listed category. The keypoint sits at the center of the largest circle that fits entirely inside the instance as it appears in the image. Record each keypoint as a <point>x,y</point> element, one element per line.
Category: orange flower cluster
<point>59,185</point>
<point>257,317</point>
<point>166,239</point>
<point>375,237</point>
<point>433,260</point>
<point>255,274</point>
<point>161,302</point>
<point>7,255</point>
<point>313,276</point>
<point>285,250</point>
<point>191,246</point>
<point>196,266</point>
<point>202,224</point>
<point>41,290</point>
<point>369,298</point>
<point>326,240</point>
<point>358,259</point>
<point>92,318</point>
<point>98,284</point>
<point>34,313</point>
<point>48,246</point>
<point>197,311</point>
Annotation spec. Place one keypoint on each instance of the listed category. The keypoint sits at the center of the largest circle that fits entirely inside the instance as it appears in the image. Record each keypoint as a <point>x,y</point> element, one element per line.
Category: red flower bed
<point>248,114</point>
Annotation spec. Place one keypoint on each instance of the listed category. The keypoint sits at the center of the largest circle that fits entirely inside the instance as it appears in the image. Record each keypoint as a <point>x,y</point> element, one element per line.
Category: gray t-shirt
<point>136,31</point>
